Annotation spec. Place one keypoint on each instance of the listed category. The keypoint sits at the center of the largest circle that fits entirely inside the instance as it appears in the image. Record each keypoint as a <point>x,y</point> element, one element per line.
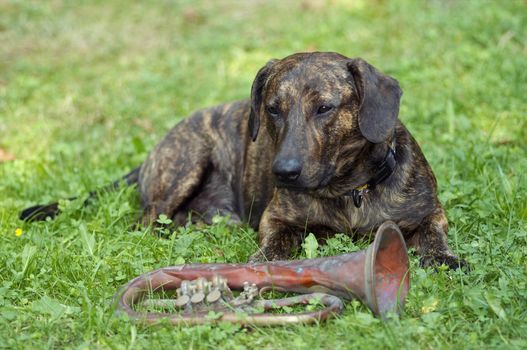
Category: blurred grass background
<point>88,87</point>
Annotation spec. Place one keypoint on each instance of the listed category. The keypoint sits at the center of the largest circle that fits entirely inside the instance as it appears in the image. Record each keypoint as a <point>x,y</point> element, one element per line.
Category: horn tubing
<point>333,305</point>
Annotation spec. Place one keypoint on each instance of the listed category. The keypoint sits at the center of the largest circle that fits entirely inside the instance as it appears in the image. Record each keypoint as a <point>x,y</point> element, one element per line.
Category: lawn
<point>87,88</point>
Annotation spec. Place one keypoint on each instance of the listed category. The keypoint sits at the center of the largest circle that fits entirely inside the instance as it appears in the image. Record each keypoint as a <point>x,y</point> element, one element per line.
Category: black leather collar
<point>384,170</point>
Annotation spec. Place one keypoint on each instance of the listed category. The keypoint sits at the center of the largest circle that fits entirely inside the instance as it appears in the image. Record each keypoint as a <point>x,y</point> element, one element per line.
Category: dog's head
<point>320,109</point>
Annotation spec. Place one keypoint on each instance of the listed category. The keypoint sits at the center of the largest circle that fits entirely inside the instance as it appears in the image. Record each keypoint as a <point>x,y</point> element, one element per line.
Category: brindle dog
<point>319,166</point>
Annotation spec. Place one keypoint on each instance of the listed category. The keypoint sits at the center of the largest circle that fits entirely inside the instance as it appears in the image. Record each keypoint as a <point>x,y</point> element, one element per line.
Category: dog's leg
<point>172,173</point>
<point>172,193</point>
<point>215,198</point>
<point>430,241</point>
<point>278,239</point>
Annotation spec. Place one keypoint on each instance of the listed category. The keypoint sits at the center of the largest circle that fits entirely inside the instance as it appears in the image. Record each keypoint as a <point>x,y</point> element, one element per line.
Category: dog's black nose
<point>287,170</point>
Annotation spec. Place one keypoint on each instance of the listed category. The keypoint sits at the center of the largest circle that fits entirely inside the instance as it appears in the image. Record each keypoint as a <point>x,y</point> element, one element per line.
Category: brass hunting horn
<point>378,276</point>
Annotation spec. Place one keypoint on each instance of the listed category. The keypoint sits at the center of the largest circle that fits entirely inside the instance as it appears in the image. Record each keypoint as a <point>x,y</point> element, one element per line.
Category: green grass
<point>87,89</point>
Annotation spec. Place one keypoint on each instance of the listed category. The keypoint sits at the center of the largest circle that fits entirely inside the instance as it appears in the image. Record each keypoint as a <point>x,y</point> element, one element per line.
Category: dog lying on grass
<point>317,148</point>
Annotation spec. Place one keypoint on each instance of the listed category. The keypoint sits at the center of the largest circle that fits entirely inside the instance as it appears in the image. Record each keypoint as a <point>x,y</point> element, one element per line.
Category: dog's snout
<point>287,170</point>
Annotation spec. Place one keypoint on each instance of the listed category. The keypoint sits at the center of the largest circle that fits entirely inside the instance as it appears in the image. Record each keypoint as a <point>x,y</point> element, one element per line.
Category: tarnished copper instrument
<point>378,276</point>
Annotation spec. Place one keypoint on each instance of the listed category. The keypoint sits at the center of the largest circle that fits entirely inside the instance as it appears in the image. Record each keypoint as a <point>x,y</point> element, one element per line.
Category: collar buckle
<point>384,171</point>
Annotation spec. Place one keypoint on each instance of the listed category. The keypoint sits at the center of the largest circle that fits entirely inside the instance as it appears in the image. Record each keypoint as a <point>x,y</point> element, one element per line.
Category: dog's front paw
<point>449,260</point>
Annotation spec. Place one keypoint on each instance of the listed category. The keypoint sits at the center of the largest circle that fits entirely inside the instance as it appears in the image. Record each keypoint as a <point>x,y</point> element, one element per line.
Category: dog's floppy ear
<point>256,98</point>
<point>379,97</point>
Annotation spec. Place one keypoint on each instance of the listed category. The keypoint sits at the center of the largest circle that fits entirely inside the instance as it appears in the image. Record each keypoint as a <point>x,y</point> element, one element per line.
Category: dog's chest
<point>343,216</point>
<point>364,218</point>
<point>372,213</point>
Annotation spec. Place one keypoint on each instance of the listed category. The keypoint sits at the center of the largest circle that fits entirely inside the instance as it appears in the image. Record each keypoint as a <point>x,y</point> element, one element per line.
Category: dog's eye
<point>324,109</point>
<point>272,111</point>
